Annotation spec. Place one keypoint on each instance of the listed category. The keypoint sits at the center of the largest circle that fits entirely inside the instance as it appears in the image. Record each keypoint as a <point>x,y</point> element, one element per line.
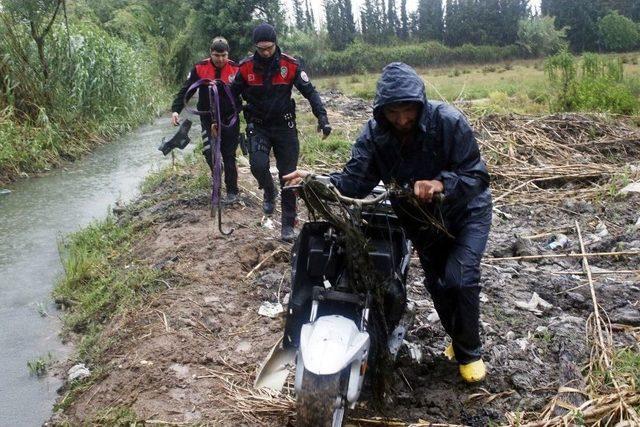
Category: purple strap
<point>216,154</point>
<point>214,113</point>
<point>211,84</point>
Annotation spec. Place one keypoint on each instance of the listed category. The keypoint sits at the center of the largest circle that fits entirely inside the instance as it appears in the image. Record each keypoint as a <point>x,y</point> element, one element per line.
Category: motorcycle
<point>347,294</point>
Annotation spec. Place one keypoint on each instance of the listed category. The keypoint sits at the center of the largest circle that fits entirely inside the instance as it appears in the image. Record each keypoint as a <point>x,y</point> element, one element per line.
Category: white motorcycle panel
<point>331,343</point>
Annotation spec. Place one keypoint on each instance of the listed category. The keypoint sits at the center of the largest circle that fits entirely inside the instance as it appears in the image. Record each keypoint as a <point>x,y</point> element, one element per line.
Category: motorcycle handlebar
<point>323,179</point>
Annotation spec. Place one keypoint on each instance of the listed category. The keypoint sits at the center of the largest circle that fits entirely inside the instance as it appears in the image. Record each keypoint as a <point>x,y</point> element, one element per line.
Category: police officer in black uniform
<point>217,67</point>
<point>265,81</point>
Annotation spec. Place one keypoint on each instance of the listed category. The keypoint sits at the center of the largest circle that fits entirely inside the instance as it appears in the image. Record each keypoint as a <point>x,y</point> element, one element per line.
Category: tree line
<point>588,24</point>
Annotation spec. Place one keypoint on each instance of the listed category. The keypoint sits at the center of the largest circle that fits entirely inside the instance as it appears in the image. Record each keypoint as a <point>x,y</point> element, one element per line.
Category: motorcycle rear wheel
<point>319,401</point>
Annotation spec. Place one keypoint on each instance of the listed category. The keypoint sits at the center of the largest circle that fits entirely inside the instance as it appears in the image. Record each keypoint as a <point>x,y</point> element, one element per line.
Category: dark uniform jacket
<point>206,70</point>
<point>444,148</point>
<point>266,87</point>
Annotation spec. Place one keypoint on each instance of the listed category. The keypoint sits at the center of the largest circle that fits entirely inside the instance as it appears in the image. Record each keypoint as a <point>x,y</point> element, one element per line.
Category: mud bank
<point>188,353</point>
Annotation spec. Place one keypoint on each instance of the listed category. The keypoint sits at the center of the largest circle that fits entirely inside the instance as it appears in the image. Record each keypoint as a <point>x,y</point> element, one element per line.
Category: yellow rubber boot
<point>473,372</point>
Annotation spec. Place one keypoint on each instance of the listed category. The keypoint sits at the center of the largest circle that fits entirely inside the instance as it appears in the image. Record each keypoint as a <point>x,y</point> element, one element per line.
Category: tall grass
<point>97,87</point>
<point>360,57</point>
<point>592,83</point>
<point>96,284</point>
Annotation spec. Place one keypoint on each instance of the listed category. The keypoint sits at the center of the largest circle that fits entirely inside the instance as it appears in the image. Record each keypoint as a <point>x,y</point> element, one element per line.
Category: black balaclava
<point>265,33</point>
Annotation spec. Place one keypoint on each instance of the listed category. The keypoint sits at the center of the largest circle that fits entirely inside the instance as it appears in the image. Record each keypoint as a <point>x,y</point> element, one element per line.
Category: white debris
<point>243,347</point>
<point>523,343</point>
<point>270,309</point>
<point>396,340</point>
<point>634,187</point>
<point>211,299</point>
<point>181,371</point>
<point>433,317</point>
<point>146,363</point>
<point>285,299</point>
<point>542,329</point>
<point>483,297</point>
<point>559,241</point>
<point>78,372</point>
<point>502,214</point>
<point>601,230</point>
<point>267,223</point>
<point>533,304</point>
<point>510,335</point>
<point>414,351</point>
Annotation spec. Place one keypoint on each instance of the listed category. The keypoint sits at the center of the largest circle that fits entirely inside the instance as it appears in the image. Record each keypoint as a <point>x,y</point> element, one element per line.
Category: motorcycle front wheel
<point>319,401</point>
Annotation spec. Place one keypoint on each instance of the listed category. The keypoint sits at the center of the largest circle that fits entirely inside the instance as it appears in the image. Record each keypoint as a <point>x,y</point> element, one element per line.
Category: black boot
<point>269,201</point>
<point>288,234</point>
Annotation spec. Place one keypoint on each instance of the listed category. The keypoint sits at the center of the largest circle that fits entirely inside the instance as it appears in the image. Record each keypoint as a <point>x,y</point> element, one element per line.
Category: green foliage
<point>115,416</point>
<point>483,22</point>
<point>103,78</point>
<point>538,36</point>
<point>430,20</point>
<point>234,20</point>
<point>340,25</point>
<point>580,17</point>
<point>38,367</point>
<point>597,85</point>
<point>306,46</point>
<point>96,86</point>
<point>334,150</point>
<point>359,57</point>
<point>95,286</point>
<point>619,33</point>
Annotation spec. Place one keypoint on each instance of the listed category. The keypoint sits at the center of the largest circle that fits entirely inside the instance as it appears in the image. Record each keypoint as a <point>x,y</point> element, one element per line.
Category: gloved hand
<point>323,125</point>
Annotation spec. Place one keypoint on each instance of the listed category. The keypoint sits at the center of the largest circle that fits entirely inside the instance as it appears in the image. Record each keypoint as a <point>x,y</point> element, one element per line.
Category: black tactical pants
<point>283,139</point>
<point>452,277</point>
<point>228,148</point>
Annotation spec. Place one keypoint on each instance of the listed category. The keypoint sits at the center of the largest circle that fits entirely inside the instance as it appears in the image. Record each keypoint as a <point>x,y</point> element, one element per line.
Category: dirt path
<point>189,354</point>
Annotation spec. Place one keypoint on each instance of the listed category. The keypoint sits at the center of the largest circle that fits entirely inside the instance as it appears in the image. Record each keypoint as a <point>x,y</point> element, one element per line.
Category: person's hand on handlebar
<point>295,177</point>
<point>427,189</point>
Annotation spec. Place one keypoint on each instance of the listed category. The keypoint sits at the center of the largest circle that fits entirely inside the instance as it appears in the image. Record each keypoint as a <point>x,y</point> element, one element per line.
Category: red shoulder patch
<point>229,72</point>
<point>248,74</point>
<point>205,69</point>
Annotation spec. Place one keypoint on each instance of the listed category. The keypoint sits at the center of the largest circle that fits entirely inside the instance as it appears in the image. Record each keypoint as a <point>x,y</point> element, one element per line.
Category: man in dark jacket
<point>217,67</point>
<point>430,147</point>
<point>265,81</point>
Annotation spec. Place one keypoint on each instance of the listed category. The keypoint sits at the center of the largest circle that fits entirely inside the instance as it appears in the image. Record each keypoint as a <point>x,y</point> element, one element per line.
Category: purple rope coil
<point>214,113</point>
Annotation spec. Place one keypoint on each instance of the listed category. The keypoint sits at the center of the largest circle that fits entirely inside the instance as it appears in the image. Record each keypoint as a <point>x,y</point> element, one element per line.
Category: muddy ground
<point>189,355</point>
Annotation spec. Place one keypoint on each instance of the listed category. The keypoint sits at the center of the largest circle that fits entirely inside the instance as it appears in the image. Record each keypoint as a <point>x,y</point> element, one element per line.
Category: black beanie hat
<point>264,33</point>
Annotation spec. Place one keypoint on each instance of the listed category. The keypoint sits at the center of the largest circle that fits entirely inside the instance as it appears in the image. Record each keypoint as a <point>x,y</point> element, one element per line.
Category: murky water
<point>33,218</point>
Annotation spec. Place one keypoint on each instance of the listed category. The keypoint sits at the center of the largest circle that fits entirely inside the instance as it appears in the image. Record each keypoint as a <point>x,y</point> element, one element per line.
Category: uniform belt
<point>287,118</point>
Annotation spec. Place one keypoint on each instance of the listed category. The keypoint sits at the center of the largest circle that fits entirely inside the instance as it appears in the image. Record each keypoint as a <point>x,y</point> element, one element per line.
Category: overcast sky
<point>318,7</point>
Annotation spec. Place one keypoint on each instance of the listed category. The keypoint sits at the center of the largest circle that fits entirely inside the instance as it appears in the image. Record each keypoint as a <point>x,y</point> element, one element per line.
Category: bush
<point>538,36</point>
<point>597,85</point>
<point>360,57</point>
<point>618,33</point>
